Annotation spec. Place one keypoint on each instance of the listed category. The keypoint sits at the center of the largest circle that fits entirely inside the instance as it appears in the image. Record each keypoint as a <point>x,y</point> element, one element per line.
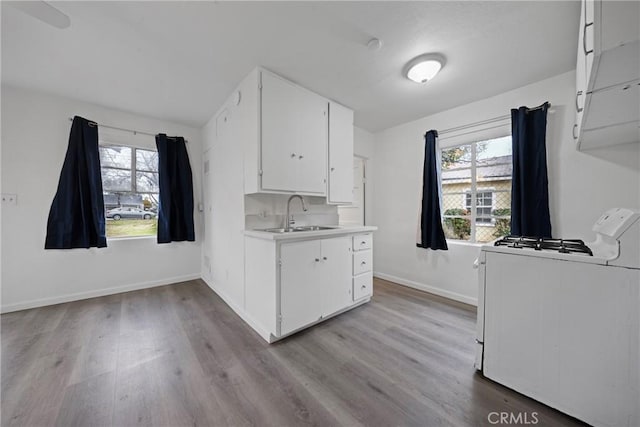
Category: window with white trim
<point>476,190</point>
<point>130,190</point>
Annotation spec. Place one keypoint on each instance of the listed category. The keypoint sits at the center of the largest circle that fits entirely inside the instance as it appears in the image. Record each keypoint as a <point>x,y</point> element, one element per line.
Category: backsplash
<point>268,210</point>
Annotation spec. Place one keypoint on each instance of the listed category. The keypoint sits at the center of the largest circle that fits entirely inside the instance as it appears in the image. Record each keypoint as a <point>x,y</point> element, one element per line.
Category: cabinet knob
<point>300,157</point>
<point>317,259</point>
<point>324,258</point>
<point>363,263</point>
<point>364,287</point>
<point>363,243</point>
<point>332,169</point>
<point>293,155</point>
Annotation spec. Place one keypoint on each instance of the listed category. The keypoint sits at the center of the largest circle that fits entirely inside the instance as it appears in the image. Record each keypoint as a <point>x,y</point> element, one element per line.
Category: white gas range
<point>559,320</point>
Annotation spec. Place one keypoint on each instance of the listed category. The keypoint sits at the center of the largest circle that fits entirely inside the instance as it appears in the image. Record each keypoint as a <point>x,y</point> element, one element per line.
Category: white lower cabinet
<point>336,274</point>
<point>293,283</point>
<point>315,281</point>
<point>300,285</point>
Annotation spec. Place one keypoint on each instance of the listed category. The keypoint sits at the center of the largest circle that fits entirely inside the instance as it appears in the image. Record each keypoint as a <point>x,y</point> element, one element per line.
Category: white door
<point>354,214</point>
<point>300,293</point>
<point>207,246</point>
<point>340,186</point>
<point>294,137</point>
<point>218,232</point>
<point>335,280</point>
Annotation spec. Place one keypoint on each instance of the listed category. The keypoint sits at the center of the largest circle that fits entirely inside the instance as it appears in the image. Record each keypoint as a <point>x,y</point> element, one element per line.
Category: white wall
<point>581,187</point>
<point>35,134</point>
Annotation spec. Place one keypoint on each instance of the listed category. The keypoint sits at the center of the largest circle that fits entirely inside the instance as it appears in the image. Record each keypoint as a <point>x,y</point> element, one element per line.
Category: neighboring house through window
<point>477,175</point>
<point>130,188</point>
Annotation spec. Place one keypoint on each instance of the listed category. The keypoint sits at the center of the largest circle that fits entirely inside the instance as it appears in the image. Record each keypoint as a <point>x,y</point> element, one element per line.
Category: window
<point>130,189</point>
<point>484,206</point>
<point>476,190</point>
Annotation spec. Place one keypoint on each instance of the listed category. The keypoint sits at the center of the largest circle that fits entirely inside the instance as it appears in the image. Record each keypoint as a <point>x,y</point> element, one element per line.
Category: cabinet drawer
<point>362,242</point>
<point>362,286</point>
<point>362,262</point>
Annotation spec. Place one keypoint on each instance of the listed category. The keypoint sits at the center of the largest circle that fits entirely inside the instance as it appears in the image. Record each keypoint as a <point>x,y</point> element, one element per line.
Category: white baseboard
<point>95,293</point>
<point>427,288</point>
<point>257,327</point>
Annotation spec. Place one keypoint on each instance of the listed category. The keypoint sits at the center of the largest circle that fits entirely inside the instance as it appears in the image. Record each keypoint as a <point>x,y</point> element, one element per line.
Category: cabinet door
<point>300,294</point>
<point>335,281</point>
<point>293,137</point>
<point>279,134</point>
<point>340,185</point>
<point>588,39</point>
<point>312,128</point>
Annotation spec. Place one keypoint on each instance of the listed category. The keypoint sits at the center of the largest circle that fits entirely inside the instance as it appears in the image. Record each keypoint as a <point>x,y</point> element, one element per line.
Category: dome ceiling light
<point>423,68</point>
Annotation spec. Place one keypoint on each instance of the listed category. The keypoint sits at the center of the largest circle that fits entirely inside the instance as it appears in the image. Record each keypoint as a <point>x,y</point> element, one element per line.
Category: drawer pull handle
<point>584,39</point>
<point>578,95</point>
<point>575,126</point>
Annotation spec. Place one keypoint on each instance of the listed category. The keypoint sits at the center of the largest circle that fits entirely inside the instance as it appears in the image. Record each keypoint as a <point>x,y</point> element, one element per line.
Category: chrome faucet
<point>287,221</point>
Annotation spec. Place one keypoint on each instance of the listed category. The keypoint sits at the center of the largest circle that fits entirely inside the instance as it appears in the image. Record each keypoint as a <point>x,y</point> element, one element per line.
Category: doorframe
<point>364,187</point>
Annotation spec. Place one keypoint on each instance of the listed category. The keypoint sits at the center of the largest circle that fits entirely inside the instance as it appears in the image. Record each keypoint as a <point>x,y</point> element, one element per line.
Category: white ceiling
<point>180,60</point>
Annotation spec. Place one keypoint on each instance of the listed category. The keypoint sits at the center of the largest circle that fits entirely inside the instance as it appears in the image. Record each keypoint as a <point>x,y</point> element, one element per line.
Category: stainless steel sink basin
<point>299,229</point>
<point>314,228</point>
<point>276,230</point>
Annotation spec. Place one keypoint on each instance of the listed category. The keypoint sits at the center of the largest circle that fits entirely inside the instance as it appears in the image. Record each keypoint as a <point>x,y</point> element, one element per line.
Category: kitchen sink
<point>299,229</point>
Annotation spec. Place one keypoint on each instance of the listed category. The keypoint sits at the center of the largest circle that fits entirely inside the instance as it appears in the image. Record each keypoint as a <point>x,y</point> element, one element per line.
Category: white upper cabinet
<point>607,74</point>
<point>284,131</point>
<point>293,138</point>
<point>340,176</point>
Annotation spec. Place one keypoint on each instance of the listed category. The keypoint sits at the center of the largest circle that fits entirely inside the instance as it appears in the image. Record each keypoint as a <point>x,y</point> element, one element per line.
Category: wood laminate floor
<point>178,355</point>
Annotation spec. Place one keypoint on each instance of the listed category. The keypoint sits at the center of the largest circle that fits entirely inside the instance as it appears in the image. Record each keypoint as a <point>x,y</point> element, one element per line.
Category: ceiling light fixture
<point>423,68</point>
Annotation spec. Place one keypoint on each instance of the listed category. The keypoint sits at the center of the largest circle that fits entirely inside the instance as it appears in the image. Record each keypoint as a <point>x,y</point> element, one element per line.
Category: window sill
<point>123,238</point>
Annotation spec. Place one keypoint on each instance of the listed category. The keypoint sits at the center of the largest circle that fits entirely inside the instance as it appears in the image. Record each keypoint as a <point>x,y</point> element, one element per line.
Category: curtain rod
<point>135,132</point>
<point>488,121</point>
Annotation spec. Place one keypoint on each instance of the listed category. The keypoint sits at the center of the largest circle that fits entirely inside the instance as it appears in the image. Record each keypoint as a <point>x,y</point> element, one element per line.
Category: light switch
<point>9,199</point>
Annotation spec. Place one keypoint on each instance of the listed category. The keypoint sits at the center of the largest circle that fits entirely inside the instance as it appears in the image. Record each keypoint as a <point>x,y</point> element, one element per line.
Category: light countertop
<point>341,230</point>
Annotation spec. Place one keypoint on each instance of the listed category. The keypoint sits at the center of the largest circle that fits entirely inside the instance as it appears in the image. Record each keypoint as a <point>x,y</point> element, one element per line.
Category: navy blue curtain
<point>76,218</point>
<point>431,232</point>
<point>529,187</point>
<point>175,213</point>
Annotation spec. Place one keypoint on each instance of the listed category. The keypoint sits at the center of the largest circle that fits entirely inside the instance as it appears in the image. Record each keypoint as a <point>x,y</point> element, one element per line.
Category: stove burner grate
<point>565,246</point>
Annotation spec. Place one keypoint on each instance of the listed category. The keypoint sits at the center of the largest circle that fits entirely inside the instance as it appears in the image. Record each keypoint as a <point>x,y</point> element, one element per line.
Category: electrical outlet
<point>9,199</point>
